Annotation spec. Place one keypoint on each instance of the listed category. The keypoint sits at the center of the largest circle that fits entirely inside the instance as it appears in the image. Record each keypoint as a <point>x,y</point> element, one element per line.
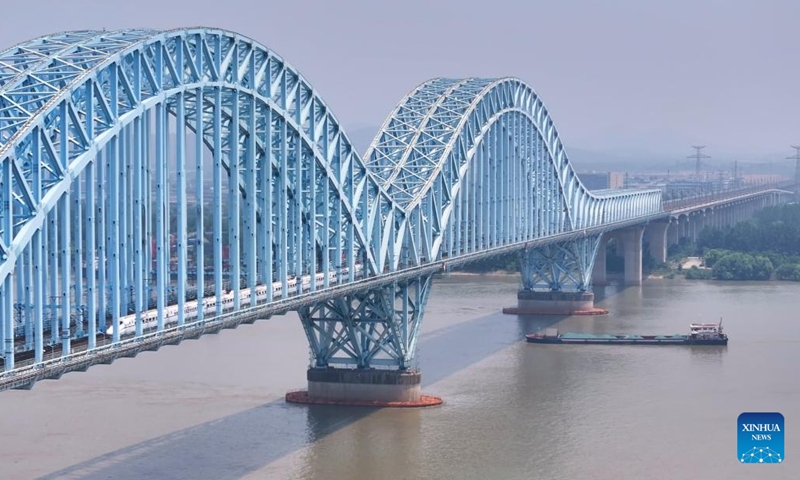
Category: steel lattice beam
<point>375,327</point>
<point>486,152</point>
<point>108,138</point>
<point>560,267</point>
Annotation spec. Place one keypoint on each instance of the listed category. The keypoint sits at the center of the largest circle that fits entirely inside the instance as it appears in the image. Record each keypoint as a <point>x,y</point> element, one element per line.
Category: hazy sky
<point>632,76</point>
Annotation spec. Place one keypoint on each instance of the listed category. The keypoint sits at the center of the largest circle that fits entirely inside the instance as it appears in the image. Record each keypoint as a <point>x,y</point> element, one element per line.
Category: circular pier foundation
<point>554,303</point>
<point>522,311</point>
<point>301,397</point>
<point>363,388</point>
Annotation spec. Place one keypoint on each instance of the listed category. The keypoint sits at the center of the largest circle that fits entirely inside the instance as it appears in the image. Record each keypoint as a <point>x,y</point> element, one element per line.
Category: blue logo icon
<point>760,437</point>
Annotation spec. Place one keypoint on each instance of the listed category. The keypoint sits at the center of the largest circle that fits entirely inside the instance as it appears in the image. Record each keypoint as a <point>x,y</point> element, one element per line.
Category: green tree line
<point>754,250</point>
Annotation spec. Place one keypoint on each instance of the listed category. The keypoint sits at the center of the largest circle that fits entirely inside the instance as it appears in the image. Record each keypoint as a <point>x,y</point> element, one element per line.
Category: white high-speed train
<point>127,324</point>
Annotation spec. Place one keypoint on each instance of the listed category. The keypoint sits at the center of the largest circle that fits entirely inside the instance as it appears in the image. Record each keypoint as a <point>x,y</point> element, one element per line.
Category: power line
<point>796,158</point>
<point>698,155</point>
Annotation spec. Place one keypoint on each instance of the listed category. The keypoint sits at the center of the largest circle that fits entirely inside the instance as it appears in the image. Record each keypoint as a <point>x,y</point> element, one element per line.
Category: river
<point>213,408</point>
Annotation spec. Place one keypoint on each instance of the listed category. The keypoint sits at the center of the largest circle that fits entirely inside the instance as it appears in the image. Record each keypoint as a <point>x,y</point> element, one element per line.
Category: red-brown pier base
<point>363,388</point>
<point>554,303</point>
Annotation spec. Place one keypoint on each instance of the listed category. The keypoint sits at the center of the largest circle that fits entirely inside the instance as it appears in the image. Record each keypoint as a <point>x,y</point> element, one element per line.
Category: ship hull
<point>626,341</point>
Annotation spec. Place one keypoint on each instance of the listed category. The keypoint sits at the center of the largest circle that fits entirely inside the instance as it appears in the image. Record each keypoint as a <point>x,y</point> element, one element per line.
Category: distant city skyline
<point>626,78</point>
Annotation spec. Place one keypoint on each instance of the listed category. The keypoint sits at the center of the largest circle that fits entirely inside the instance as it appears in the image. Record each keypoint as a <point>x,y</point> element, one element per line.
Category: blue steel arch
<point>15,116</point>
<point>251,107</point>
<point>496,137</point>
<point>460,169</point>
<point>474,166</point>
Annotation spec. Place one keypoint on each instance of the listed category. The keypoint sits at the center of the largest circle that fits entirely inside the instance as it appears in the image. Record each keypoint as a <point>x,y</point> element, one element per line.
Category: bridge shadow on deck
<point>239,444</point>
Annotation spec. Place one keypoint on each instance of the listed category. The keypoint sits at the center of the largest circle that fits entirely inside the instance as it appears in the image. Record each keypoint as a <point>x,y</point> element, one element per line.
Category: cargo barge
<point>699,334</point>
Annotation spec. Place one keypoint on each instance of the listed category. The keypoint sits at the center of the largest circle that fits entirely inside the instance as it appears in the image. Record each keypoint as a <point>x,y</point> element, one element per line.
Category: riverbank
<point>726,265</point>
<point>689,267</point>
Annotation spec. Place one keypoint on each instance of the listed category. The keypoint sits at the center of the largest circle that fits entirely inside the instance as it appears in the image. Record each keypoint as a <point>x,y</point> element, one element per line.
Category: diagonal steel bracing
<point>560,267</point>
<point>161,178</point>
<point>371,328</point>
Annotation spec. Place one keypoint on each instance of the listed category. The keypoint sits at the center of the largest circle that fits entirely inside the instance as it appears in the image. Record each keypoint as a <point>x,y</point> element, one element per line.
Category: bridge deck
<point>106,352</point>
<point>678,207</point>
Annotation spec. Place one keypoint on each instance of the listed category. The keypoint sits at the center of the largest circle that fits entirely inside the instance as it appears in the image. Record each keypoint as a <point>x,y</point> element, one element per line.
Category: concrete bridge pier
<point>684,223</point>
<point>697,223</point>
<point>556,279</point>
<point>631,240</point>
<point>655,235</point>
<point>351,335</point>
<point>599,274</point>
<point>688,224</point>
<point>673,232</point>
<point>357,386</point>
<point>632,252</point>
<point>678,229</point>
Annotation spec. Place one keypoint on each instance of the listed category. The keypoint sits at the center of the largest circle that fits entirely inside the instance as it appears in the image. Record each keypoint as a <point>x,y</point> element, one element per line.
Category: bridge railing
<point>678,204</point>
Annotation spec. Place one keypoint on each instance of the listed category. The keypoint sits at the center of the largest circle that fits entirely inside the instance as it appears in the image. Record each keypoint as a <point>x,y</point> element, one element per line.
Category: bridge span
<point>159,185</point>
<point>686,218</point>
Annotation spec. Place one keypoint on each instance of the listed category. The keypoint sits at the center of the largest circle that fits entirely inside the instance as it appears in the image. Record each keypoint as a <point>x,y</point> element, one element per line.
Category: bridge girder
<point>87,154</point>
<point>456,146</point>
<point>91,99</point>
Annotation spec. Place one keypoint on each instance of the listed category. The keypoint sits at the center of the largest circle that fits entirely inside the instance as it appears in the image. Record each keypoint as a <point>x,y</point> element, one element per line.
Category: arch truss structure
<point>152,180</point>
<point>475,166</point>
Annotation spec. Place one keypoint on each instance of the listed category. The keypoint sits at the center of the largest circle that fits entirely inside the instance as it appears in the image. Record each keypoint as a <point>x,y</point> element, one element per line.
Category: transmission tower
<point>697,156</point>
<point>796,158</point>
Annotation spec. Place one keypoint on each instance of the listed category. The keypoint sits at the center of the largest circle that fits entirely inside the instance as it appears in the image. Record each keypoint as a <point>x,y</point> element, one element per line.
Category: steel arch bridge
<point>156,182</point>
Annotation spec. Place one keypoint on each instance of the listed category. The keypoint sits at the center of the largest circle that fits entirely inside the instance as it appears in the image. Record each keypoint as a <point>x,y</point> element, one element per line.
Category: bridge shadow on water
<point>244,442</point>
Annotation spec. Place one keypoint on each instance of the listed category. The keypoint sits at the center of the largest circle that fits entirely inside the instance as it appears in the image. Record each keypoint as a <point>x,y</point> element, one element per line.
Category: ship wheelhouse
<point>705,330</point>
